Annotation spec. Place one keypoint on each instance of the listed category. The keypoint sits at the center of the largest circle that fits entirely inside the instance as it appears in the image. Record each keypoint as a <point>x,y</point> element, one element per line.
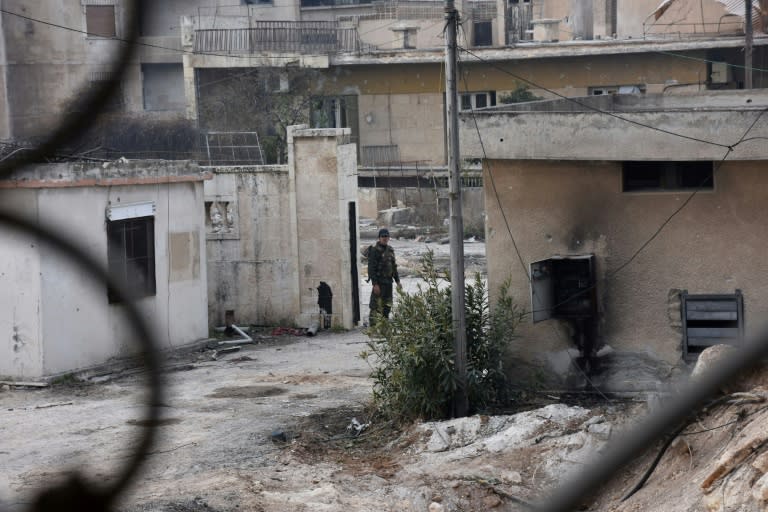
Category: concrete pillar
<point>501,22</point>
<point>322,184</point>
<point>582,19</point>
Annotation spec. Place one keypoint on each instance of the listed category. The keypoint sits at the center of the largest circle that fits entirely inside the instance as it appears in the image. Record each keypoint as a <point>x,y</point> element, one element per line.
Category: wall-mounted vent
<point>711,320</point>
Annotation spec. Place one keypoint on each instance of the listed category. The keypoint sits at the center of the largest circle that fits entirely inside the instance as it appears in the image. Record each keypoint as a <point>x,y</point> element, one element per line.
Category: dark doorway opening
<point>352,215</point>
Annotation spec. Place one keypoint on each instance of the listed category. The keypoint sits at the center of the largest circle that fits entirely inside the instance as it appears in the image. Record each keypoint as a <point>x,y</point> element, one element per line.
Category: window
<point>616,89</point>
<point>483,33</point>
<point>404,37</point>
<point>257,2</point>
<point>473,100</point>
<point>660,176</point>
<point>100,20</point>
<point>334,112</point>
<point>99,79</point>
<point>409,38</point>
<point>131,255</point>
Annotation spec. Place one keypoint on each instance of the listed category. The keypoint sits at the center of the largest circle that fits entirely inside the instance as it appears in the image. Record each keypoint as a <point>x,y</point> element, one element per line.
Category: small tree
<point>264,100</point>
<point>520,95</point>
<point>412,353</point>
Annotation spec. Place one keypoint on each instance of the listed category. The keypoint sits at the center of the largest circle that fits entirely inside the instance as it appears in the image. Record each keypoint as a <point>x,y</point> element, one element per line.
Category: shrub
<point>412,353</point>
<point>520,95</point>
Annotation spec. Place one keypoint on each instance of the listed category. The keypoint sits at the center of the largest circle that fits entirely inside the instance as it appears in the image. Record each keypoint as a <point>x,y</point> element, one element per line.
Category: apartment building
<point>375,67</point>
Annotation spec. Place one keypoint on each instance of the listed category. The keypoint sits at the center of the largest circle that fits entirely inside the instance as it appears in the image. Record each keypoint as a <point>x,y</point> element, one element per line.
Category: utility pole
<point>460,399</point>
<point>748,45</point>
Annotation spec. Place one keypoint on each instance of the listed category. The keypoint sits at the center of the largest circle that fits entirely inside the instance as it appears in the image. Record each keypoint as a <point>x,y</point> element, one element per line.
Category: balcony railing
<point>307,37</point>
<point>333,3</point>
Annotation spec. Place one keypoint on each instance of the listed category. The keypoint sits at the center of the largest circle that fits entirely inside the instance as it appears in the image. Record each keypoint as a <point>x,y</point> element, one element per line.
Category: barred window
<point>131,255</point>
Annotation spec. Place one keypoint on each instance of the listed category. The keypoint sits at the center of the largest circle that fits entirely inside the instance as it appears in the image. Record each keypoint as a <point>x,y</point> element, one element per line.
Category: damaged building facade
<point>372,67</point>
<point>282,239</point>
<point>640,221</point>
<point>143,221</point>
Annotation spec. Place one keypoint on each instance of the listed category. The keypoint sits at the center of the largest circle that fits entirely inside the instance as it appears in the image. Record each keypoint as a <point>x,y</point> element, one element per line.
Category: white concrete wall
<point>413,122</point>
<point>252,270</point>
<point>386,34</point>
<point>322,169</point>
<point>21,348</point>
<point>714,245</point>
<point>718,117</point>
<point>78,327</point>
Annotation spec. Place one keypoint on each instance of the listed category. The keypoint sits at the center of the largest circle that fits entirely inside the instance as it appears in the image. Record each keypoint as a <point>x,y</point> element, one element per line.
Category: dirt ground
<point>283,425</point>
<point>269,428</point>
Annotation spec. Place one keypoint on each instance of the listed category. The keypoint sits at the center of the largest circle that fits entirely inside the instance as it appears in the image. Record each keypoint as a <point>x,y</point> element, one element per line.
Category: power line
<point>487,163</point>
<point>681,56</point>
<point>590,107</point>
<point>150,45</point>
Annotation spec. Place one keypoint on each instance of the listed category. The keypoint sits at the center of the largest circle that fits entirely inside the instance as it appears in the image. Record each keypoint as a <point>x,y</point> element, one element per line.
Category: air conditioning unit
<point>721,73</point>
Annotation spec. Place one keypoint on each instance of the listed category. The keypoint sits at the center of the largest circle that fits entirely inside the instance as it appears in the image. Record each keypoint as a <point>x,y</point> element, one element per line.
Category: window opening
<point>100,20</point>
<point>409,39</point>
<point>639,176</point>
<point>475,100</point>
<point>131,256</point>
<point>483,33</point>
<point>564,287</point>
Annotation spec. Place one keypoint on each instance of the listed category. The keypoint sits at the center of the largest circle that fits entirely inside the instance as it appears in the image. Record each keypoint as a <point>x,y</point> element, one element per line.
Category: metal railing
<point>231,148</point>
<point>727,25</point>
<point>305,37</point>
<point>333,3</point>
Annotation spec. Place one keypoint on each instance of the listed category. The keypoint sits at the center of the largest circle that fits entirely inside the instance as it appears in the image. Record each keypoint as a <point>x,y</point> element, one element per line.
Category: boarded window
<point>644,176</point>
<point>100,20</point>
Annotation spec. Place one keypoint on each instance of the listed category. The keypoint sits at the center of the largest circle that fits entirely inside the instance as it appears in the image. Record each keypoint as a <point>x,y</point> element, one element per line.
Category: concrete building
<point>282,240</point>
<point>640,222</point>
<point>376,66</point>
<point>143,220</point>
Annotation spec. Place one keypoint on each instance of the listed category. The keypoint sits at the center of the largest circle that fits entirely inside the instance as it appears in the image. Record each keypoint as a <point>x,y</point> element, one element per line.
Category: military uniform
<point>382,270</point>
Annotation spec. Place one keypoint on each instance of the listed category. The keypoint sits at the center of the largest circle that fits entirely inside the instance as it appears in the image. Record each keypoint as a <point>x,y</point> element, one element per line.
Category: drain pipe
<point>245,338</point>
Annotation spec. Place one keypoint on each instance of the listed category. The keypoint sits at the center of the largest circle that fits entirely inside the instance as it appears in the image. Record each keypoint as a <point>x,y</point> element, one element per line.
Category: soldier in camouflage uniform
<point>382,270</point>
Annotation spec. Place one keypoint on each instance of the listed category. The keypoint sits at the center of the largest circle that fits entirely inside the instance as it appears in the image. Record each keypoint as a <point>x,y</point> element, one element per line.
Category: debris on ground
<point>288,331</point>
<point>222,351</point>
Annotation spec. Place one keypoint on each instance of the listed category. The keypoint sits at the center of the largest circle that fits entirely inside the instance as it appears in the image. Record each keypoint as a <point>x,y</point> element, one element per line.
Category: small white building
<point>143,220</point>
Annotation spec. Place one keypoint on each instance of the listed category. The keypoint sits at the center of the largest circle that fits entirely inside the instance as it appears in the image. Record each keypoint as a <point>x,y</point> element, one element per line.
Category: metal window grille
<point>232,148</point>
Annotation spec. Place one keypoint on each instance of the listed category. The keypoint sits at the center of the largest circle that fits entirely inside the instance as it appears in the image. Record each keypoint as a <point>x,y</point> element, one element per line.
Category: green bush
<point>412,353</point>
<point>520,95</point>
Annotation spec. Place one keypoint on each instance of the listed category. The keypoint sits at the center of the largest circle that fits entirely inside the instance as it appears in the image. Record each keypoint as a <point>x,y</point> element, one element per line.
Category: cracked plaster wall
<point>715,245</point>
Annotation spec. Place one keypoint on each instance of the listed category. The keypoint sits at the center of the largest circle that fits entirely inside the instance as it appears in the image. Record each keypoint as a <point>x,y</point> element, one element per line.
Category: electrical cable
<point>167,48</point>
<point>590,107</point>
<point>512,237</point>
<point>645,244</point>
<point>613,273</point>
<point>681,56</point>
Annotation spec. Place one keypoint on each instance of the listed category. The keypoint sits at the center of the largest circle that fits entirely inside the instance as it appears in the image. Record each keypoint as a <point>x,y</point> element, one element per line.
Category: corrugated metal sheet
<point>661,9</point>
<point>737,7</point>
